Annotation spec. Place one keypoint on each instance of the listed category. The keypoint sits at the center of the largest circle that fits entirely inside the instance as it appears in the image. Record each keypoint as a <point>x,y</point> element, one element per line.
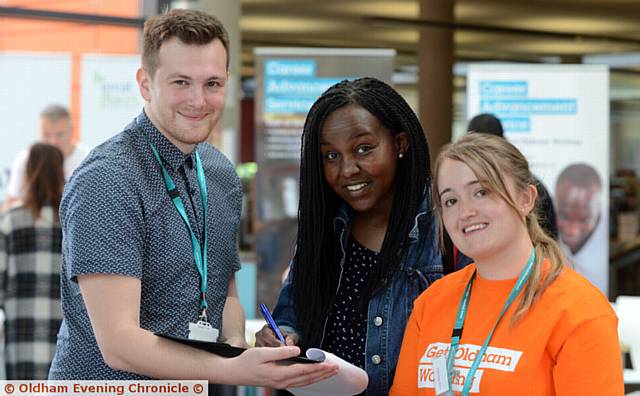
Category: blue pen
<point>271,322</point>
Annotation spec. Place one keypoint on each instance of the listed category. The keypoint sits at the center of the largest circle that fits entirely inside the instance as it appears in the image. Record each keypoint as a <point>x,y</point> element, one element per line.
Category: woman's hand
<point>267,338</point>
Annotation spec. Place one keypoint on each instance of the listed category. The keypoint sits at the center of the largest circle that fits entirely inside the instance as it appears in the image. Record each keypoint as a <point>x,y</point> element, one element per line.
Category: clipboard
<point>226,350</point>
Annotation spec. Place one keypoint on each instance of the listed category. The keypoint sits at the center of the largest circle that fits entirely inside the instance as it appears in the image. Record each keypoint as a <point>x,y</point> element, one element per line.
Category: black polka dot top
<point>347,324</point>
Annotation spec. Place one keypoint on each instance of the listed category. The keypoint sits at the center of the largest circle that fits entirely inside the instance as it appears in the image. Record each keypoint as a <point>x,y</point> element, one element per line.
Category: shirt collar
<point>169,153</point>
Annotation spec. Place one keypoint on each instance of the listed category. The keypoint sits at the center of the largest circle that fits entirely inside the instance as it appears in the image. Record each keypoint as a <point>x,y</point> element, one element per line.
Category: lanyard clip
<point>203,316</point>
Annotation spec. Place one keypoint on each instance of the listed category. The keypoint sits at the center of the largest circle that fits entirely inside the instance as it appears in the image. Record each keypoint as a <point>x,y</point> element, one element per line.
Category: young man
<point>150,224</point>
<point>55,129</point>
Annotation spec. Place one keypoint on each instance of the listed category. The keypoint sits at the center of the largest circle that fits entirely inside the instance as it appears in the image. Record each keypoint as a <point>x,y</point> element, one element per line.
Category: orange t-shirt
<point>566,344</point>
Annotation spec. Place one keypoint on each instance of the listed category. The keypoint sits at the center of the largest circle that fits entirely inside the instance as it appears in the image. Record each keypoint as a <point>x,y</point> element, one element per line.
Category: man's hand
<point>263,367</point>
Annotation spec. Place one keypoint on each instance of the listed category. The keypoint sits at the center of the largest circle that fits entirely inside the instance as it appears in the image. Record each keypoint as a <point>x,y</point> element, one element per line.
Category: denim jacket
<point>389,309</point>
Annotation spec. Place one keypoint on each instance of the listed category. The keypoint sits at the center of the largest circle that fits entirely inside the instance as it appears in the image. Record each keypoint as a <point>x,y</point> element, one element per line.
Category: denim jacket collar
<point>345,216</point>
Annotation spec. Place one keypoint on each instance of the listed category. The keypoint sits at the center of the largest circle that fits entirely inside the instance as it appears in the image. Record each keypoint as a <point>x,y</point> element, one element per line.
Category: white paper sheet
<point>350,380</point>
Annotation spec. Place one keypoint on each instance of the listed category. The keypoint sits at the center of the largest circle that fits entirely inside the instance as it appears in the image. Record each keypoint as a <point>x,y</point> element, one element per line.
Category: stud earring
<point>400,155</point>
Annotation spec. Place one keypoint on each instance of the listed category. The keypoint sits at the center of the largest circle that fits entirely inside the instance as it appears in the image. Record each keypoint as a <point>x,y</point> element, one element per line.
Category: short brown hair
<point>190,26</point>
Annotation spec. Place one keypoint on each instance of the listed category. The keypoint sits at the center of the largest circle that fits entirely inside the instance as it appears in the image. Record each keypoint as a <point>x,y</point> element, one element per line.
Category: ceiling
<point>505,30</point>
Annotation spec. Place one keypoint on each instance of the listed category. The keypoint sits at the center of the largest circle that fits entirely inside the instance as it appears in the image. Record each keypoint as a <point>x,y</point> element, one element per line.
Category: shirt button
<point>377,321</point>
<point>376,359</point>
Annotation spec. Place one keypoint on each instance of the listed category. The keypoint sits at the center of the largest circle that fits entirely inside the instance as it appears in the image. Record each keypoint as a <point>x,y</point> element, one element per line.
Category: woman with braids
<point>367,241</point>
<point>518,320</point>
<point>30,257</point>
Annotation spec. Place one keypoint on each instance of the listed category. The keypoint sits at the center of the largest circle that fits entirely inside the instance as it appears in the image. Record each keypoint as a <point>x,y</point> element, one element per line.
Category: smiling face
<point>360,157</point>
<point>480,222</point>
<point>185,96</point>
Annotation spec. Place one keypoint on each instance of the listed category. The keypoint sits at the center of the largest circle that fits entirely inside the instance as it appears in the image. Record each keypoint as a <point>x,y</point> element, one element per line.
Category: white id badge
<point>202,331</point>
<point>440,378</point>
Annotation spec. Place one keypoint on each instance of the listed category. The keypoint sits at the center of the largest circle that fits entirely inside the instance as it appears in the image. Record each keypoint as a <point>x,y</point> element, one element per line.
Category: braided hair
<point>317,257</point>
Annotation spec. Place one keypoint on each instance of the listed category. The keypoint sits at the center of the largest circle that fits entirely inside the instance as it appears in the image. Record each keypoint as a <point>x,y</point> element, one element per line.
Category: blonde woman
<point>518,320</point>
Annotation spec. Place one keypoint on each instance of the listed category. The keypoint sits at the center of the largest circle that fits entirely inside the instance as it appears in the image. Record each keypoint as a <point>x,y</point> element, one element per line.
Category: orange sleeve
<point>405,381</point>
<point>590,361</point>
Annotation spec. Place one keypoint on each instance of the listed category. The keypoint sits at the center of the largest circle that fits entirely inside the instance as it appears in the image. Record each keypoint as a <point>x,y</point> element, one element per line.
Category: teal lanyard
<point>462,313</point>
<point>199,253</point>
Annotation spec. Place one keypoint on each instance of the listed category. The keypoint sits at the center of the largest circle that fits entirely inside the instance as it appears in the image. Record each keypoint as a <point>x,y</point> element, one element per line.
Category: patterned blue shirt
<point>117,218</point>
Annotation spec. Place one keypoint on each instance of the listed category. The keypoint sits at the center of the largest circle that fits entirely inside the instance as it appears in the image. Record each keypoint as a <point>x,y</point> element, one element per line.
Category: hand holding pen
<point>268,336</point>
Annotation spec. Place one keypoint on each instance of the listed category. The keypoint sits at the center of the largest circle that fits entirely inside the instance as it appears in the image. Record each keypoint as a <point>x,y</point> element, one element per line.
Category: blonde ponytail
<point>546,249</point>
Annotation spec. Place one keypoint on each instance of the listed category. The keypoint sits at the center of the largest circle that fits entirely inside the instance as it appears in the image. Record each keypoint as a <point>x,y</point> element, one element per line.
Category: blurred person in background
<point>55,129</point>
<point>30,256</point>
